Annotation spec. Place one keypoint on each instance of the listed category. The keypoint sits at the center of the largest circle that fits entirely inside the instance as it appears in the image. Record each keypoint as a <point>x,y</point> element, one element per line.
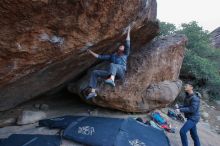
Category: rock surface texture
<point>151,79</point>
<point>215,38</point>
<point>43,42</point>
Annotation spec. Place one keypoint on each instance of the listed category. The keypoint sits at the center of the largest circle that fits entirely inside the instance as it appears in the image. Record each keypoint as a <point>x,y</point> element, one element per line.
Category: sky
<point>205,12</point>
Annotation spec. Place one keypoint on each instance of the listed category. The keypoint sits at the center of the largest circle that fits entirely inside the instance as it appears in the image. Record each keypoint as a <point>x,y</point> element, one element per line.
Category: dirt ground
<point>67,104</point>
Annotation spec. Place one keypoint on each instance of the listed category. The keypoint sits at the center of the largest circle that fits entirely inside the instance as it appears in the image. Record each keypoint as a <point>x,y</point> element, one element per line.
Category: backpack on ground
<point>158,118</point>
<point>175,116</point>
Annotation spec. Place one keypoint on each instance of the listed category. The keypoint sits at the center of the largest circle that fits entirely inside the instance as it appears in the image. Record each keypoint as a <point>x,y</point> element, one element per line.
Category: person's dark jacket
<point>191,107</point>
<point>118,59</point>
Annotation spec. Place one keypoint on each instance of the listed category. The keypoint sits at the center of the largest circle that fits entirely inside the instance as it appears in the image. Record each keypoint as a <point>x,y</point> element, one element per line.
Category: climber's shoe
<point>91,95</point>
<point>110,82</point>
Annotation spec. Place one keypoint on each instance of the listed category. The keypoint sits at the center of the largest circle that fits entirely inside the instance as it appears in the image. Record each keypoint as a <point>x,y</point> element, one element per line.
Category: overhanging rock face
<point>151,80</point>
<point>43,42</point>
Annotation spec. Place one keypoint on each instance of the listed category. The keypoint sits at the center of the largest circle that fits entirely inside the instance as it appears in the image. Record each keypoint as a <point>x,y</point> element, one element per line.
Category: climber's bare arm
<point>100,57</point>
<point>93,53</point>
<point>127,42</point>
<point>128,33</point>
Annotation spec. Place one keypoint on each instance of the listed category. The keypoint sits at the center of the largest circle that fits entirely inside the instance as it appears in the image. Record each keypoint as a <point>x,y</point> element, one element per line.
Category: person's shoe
<point>91,95</point>
<point>110,82</point>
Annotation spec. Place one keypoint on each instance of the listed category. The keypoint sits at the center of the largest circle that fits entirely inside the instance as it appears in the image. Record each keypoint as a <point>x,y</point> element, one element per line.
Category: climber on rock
<point>117,66</point>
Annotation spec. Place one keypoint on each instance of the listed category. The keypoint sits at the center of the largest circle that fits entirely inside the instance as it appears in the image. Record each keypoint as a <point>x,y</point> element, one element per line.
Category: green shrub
<point>167,28</point>
<point>198,39</point>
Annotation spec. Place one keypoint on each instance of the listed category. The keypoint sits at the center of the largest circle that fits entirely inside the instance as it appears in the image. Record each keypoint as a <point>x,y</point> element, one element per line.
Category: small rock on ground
<point>28,117</point>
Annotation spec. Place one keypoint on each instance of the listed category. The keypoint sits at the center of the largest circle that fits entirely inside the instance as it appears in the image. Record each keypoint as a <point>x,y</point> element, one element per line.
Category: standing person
<point>117,66</point>
<point>191,112</point>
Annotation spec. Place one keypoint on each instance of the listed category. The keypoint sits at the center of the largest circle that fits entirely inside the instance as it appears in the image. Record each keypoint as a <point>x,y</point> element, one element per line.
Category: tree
<point>198,39</point>
<point>167,28</point>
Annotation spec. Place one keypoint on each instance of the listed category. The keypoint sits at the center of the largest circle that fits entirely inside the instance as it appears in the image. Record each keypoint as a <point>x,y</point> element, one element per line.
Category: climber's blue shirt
<point>118,59</point>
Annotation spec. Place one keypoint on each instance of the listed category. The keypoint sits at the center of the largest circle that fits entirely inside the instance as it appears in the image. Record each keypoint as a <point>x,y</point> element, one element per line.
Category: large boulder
<point>43,42</point>
<point>151,80</point>
<point>215,38</point>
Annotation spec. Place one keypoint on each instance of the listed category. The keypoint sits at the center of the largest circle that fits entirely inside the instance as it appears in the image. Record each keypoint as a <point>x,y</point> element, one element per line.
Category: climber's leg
<point>115,70</point>
<point>93,81</point>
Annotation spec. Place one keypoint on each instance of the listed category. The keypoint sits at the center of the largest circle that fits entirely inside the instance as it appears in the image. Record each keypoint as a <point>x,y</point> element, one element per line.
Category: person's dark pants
<point>189,126</point>
<point>114,69</point>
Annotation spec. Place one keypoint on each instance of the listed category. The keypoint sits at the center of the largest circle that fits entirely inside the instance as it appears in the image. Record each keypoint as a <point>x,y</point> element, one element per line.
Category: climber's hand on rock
<point>178,110</point>
<point>176,106</point>
<point>128,33</point>
<point>129,29</point>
